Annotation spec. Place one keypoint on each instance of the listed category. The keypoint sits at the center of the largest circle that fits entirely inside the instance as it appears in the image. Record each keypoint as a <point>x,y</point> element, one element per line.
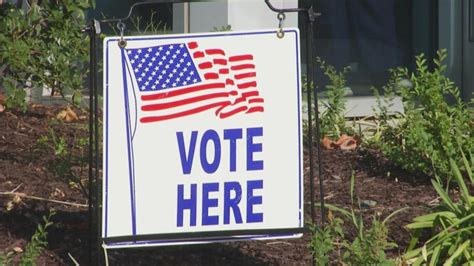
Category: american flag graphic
<point>179,80</point>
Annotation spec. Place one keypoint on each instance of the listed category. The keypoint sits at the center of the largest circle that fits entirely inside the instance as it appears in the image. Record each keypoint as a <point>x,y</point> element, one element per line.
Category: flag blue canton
<point>163,67</point>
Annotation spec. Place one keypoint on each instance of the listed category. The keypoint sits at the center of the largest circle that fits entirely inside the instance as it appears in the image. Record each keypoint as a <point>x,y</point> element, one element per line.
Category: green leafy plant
<point>323,240</point>
<point>38,242</point>
<point>368,248</point>
<point>370,243</point>
<point>14,97</point>
<point>70,157</point>
<point>451,223</point>
<point>6,258</point>
<point>332,118</point>
<point>424,138</point>
<point>44,47</point>
<point>333,121</point>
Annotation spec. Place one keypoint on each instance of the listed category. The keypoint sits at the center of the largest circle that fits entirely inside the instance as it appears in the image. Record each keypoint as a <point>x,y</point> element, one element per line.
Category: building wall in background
<point>251,14</point>
<point>239,14</point>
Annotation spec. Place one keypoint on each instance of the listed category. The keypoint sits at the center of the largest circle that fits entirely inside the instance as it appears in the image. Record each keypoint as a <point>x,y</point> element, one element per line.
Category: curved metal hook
<point>121,26</point>
<point>284,10</point>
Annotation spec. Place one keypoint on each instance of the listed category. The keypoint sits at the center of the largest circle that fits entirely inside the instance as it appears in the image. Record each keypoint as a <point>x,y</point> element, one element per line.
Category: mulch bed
<point>29,168</point>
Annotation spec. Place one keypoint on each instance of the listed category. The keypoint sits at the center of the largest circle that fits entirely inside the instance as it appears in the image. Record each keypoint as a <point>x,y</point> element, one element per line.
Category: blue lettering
<point>253,200</point>
<point>186,161</point>
<point>208,203</point>
<point>232,203</point>
<point>210,167</point>
<point>254,147</point>
<point>233,135</point>
<point>187,204</point>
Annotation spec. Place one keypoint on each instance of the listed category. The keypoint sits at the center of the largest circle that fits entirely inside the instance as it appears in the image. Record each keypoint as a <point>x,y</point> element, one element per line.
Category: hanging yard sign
<point>202,138</point>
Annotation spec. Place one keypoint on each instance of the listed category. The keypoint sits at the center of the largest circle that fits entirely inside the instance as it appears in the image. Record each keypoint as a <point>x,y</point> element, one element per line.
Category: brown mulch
<point>30,167</point>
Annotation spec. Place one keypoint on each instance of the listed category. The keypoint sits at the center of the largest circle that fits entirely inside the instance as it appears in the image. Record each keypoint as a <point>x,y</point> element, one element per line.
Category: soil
<point>29,167</point>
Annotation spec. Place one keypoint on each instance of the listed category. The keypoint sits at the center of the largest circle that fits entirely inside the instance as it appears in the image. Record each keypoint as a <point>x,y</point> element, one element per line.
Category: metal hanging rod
<point>311,14</point>
<point>284,10</point>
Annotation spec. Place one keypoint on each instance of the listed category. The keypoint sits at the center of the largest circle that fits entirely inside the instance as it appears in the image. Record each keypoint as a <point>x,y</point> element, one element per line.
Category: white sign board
<point>202,138</point>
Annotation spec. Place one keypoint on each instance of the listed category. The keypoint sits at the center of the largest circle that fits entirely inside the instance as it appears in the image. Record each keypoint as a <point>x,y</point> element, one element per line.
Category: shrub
<point>435,119</point>
<point>44,46</point>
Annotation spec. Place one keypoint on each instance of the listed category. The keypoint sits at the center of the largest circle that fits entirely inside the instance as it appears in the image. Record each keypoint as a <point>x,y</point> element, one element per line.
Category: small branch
<point>23,195</point>
<point>73,259</point>
<point>15,189</point>
<point>279,242</point>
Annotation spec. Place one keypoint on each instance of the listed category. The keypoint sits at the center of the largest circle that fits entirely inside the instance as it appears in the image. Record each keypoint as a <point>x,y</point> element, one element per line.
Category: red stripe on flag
<point>192,45</point>
<point>233,112</point>
<point>161,106</point>
<point>255,109</point>
<point>250,94</point>
<point>247,85</point>
<point>220,62</point>
<point>215,51</point>
<point>245,75</point>
<point>205,65</point>
<point>150,119</point>
<point>239,100</point>
<point>229,82</point>
<point>198,54</point>
<point>224,71</point>
<point>164,95</point>
<point>222,107</point>
<point>211,76</point>
<point>240,58</point>
<point>243,66</point>
<point>257,100</point>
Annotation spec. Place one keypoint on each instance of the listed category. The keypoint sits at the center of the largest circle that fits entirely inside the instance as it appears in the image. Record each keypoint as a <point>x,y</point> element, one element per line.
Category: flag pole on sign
<point>131,169</point>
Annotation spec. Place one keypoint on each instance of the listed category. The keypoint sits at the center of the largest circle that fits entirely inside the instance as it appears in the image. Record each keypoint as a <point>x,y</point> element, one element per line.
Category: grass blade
<point>460,180</point>
<point>457,253</point>
<point>352,186</point>
<point>335,208</point>
<point>467,166</point>
<point>419,225</point>
<point>394,213</point>
<point>444,196</point>
<point>432,216</point>
<point>435,256</point>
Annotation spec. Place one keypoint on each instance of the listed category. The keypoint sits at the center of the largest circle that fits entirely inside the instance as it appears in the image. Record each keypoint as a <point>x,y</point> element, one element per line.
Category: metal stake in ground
<point>93,29</point>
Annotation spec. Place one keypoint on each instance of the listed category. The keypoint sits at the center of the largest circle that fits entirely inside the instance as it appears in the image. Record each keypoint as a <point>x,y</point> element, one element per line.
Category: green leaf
<point>335,208</point>
<point>433,216</point>
<point>352,186</point>
<point>467,165</point>
<point>457,253</point>
<point>444,196</point>
<point>460,181</point>
<point>424,253</point>
<point>435,255</point>
<point>77,98</point>
<point>418,225</point>
<point>394,213</point>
